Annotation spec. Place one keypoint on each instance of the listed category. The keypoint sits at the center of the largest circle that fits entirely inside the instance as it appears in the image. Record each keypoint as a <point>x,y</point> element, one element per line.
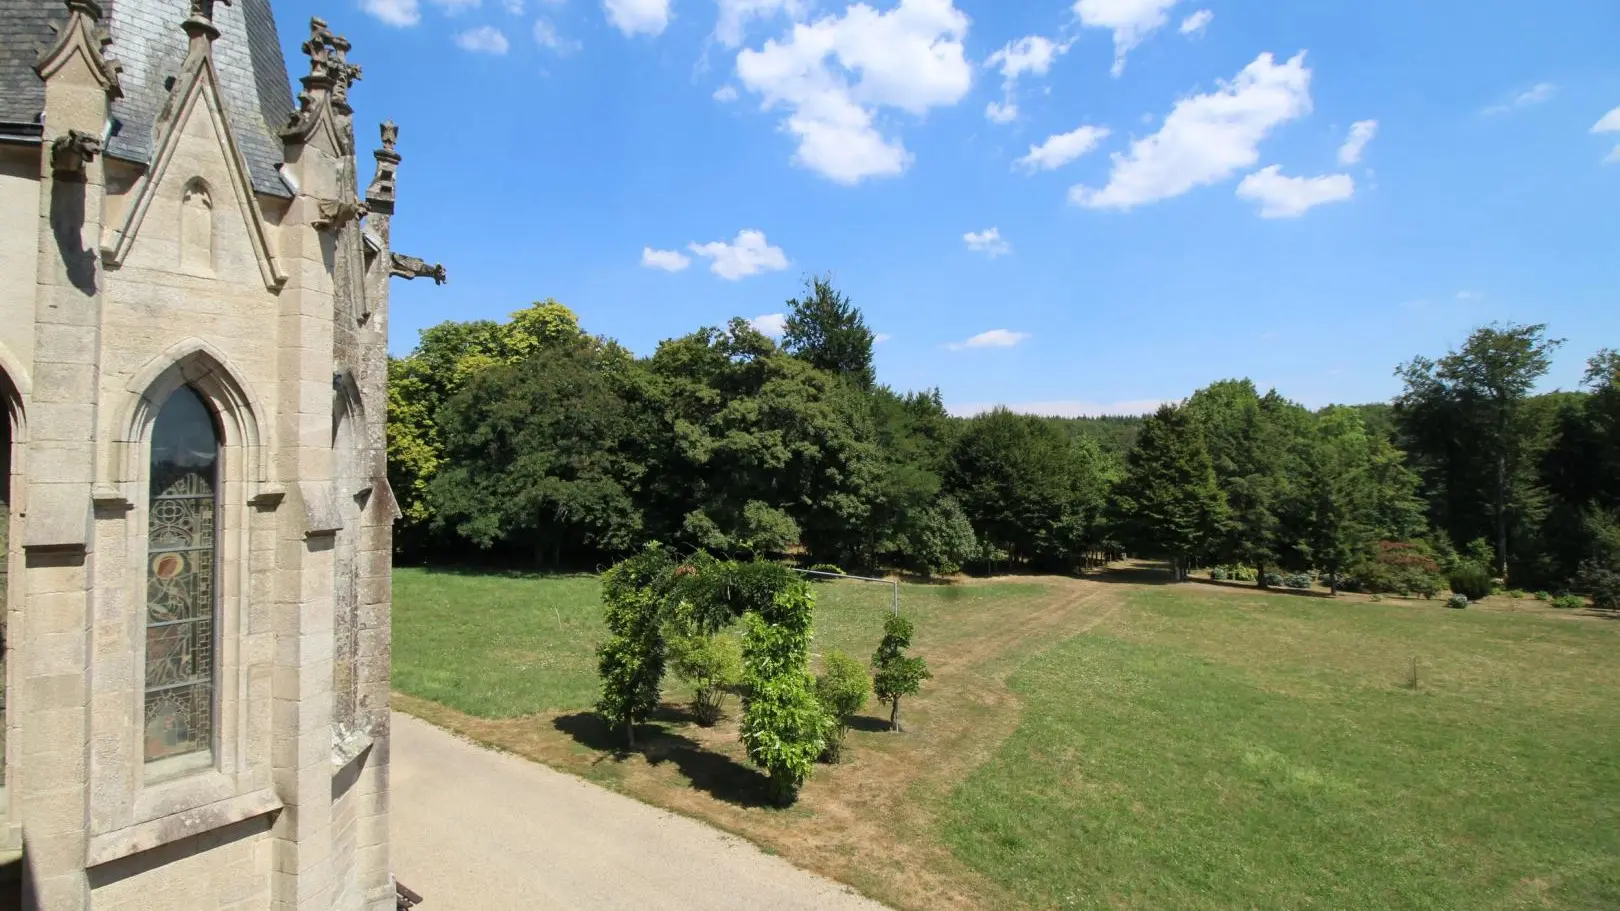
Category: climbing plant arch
<point>784,729</point>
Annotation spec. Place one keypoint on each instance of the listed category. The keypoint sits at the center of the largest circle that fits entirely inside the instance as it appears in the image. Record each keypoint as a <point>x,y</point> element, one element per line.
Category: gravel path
<point>477,829</point>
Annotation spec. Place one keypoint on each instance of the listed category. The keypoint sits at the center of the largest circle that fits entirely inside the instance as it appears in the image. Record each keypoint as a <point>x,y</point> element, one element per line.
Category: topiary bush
<point>1297,580</point>
<point>784,726</point>
<point>1458,601</point>
<point>1472,580</point>
<point>895,674</point>
<point>1272,580</point>
<point>842,689</point>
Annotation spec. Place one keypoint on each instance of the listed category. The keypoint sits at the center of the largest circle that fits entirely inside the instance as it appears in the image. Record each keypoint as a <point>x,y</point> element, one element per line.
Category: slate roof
<point>148,43</point>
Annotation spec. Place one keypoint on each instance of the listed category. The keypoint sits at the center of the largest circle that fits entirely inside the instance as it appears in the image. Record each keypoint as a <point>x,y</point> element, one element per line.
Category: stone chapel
<point>195,517</point>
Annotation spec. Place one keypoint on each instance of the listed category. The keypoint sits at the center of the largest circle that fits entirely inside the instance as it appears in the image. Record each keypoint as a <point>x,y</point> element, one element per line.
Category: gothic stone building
<point>196,522</point>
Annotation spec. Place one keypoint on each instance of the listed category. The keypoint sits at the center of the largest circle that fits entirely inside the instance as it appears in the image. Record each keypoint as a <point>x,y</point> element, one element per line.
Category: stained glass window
<point>181,579</point>
<point>5,561</point>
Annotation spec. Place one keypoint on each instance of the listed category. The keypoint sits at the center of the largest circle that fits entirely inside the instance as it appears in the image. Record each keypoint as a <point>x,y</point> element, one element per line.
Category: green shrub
<point>1602,583</point>
<point>1239,573</point>
<point>1472,580</point>
<point>1273,580</point>
<point>1458,601</point>
<point>1568,602</point>
<point>1298,580</point>
<point>1516,594</point>
<point>825,568</point>
<point>1399,567</point>
<point>1543,596</point>
<point>713,667</point>
<point>842,689</point>
<point>783,727</point>
<point>1218,574</point>
<point>895,674</point>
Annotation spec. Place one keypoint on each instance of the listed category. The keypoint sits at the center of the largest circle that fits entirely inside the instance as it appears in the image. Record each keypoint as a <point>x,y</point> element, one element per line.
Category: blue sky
<point>1060,206</point>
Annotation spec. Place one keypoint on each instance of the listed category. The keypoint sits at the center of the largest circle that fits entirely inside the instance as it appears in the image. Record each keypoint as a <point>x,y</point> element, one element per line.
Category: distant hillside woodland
<point>532,443</point>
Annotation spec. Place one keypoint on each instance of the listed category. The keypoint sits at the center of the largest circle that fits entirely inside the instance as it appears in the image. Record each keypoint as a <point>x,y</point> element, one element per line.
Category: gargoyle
<point>335,213</point>
<point>411,267</point>
<point>73,150</point>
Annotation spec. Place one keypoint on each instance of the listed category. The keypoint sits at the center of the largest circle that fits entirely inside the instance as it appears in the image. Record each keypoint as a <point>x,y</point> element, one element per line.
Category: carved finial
<point>411,267</point>
<point>380,194</point>
<point>330,75</point>
<point>84,30</point>
<point>71,151</point>
<point>318,48</point>
<point>200,24</point>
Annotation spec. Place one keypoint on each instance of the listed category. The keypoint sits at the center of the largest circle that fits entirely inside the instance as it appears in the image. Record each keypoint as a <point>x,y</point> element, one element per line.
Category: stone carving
<point>71,151</point>
<point>381,192</point>
<point>412,267</point>
<point>84,30</point>
<point>330,75</point>
<point>335,213</point>
<point>200,24</point>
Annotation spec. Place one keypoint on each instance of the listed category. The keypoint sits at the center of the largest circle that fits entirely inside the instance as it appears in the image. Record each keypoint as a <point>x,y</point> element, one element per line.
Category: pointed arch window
<point>182,578</point>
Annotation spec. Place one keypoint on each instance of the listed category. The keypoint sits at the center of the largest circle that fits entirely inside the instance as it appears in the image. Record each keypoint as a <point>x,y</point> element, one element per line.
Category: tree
<point>937,538</point>
<point>784,727</point>
<point>1339,496</point>
<point>1168,502</point>
<point>532,454</point>
<point>1474,399</point>
<point>825,330</point>
<point>896,674</point>
<point>711,663</point>
<point>1027,488</point>
<point>842,689</point>
<point>631,661</point>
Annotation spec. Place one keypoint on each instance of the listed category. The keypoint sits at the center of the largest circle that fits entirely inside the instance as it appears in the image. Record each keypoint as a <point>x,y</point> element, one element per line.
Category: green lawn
<point>506,645</point>
<point>1228,751</point>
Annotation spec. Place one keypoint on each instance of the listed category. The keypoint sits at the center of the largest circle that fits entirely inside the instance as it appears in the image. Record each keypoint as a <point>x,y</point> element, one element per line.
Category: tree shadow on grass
<point>868,723</point>
<point>1271,590</point>
<point>719,776</point>
<point>1148,574</point>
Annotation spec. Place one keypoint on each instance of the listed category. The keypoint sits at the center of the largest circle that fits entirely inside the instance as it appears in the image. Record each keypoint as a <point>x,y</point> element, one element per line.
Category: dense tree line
<point>535,441</point>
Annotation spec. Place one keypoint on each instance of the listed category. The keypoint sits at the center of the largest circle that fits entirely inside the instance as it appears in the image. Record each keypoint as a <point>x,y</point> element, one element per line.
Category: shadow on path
<point>717,775</point>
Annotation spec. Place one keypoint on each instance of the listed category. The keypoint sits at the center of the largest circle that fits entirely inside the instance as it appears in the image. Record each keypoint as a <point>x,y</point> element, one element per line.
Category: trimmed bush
<point>1516,594</point>
<point>1241,573</point>
<point>1543,596</point>
<point>1218,574</point>
<point>896,674</point>
<point>1273,580</point>
<point>1457,601</point>
<point>841,688</point>
<point>1568,602</point>
<point>824,568</point>
<point>1472,580</point>
<point>1297,580</point>
<point>712,665</point>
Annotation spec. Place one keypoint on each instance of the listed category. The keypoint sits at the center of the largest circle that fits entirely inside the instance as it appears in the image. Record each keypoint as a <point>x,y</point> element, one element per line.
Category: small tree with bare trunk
<point>894,673</point>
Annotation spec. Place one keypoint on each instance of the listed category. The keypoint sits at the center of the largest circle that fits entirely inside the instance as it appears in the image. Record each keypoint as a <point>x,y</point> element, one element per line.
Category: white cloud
<point>485,39</point>
<point>456,7</point>
<point>638,17</point>
<point>1609,123</point>
<point>1032,55</point>
<point>735,14</point>
<point>1469,295</point>
<point>1130,20</point>
<point>668,260</point>
<point>545,35</point>
<point>833,75</point>
<point>515,7</point>
<point>988,242</point>
<point>771,324</point>
<point>1065,408</point>
<point>725,94</point>
<point>1361,133</point>
<point>1206,138</point>
<point>995,338</point>
<point>398,13</point>
<point>1062,148</point>
<point>1534,95</point>
<point>881,337</point>
<point>1290,197</point>
<point>1197,22</point>
<point>749,254</point>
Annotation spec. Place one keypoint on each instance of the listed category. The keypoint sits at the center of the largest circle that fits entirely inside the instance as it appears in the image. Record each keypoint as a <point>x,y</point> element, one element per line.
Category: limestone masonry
<point>195,518</point>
